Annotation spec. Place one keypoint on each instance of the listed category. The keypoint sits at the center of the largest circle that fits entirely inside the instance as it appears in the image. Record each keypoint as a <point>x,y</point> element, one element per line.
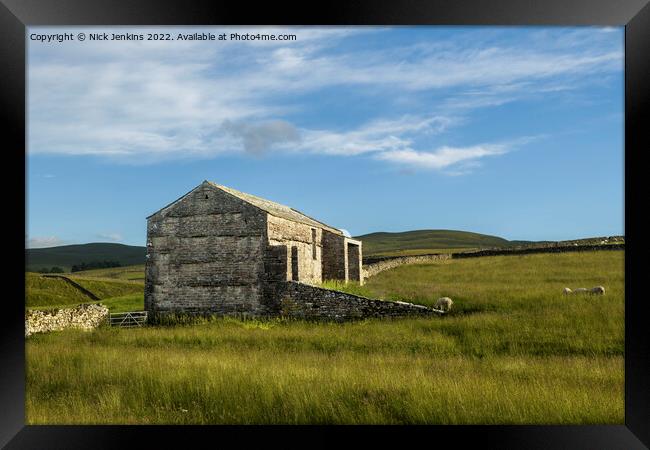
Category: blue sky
<point>510,131</point>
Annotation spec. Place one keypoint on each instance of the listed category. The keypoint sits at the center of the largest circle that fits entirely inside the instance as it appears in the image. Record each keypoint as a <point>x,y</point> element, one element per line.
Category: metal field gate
<point>128,319</point>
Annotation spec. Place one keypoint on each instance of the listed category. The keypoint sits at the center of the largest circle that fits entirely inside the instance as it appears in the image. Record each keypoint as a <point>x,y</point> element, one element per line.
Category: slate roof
<point>276,209</point>
<point>273,208</point>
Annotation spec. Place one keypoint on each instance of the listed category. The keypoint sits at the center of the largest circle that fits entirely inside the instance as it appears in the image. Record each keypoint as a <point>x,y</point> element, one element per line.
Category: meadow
<point>514,350</point>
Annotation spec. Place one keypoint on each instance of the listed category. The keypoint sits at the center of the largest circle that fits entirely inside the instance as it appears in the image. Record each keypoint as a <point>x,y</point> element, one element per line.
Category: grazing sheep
<point>444,303</point>
<point>598,290</point>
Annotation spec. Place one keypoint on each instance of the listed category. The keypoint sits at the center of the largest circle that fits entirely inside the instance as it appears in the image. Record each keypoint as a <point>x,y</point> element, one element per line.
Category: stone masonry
<point>379,265</point>
<point>314,303</point>
<point>85,317</point>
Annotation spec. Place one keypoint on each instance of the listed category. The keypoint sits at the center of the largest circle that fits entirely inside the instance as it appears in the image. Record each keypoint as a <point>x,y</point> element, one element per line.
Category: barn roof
<point>273,208</point>
<point>276,209</point>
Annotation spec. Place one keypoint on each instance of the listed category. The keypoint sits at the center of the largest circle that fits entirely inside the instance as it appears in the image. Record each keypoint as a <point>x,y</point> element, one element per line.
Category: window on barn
<point>313,243</point>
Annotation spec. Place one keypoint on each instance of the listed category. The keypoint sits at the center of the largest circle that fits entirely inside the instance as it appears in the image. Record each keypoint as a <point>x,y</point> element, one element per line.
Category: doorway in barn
<point>354,262</point>
<point>294,263</point>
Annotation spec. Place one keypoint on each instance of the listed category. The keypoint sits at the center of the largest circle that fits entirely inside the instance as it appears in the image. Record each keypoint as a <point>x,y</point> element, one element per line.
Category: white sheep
<point>444,303</point>
<point>598,290</point>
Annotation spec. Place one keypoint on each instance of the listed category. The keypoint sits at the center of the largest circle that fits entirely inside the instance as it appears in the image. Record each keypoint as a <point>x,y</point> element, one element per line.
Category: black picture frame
<point>16,15</point>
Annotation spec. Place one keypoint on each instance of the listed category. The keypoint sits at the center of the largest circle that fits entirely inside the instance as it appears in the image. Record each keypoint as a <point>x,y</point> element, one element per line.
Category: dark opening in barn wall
<point>294,263</point>
<point>354,263</point>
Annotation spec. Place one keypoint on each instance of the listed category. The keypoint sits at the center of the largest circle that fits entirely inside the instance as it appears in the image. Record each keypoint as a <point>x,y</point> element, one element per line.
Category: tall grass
<point>513,351</point>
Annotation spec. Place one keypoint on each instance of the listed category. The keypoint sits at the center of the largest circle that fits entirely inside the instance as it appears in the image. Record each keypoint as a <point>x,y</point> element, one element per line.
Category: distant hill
<point>434,240</point>
<point>68,255</point>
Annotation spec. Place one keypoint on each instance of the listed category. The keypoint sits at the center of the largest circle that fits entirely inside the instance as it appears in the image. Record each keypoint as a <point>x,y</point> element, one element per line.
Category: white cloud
<point>375,136</point>
<point>443,157</point>
<point>147,101</point>
<point>345,232</point>
<point>44,242</point>
<point>113,237</point>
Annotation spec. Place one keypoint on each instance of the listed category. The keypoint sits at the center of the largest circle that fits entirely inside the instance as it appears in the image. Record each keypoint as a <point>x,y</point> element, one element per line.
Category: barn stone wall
<point>304,261</point>
<point>334,259</point>
<point>206,253</point>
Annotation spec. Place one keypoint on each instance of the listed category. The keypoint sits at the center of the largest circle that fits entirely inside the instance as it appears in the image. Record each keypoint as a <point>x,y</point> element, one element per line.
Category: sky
<point>509,131</point>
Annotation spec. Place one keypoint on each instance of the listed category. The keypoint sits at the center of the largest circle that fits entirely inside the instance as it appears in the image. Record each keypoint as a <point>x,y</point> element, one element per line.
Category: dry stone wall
<point>85,317</point>
<point>390,263</point>
<point>303,301</point>
<point>74,284</point>
<point>544,249</point>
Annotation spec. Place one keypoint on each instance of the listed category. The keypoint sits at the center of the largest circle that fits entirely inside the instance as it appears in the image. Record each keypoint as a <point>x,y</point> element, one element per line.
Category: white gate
<point>128,319</point>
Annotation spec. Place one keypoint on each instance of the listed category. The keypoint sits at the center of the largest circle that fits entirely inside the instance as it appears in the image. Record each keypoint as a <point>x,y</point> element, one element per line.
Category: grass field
<point>128,273</point>
<point>514,350</point>
<point>44,292</point>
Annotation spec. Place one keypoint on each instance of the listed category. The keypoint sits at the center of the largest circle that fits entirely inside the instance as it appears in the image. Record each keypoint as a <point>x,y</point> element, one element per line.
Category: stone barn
<point>219,250</point>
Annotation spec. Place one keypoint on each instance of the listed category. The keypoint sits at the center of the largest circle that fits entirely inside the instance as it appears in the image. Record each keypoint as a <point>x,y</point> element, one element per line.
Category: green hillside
<point>41,291</point>
<point>44,292</point>
<point>422,241</point>
<point>68,255</point>
<point>125,273</point>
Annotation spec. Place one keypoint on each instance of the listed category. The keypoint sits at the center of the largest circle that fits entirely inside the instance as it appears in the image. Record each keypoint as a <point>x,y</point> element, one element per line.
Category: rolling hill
<point>68,255</point>
<point>374,244</point>
<point>421,241</point>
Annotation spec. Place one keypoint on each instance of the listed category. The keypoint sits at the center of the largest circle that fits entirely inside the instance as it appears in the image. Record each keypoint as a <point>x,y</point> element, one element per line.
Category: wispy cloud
<point>453,160</point>
<point>44,242</point>
<point>375,136</point>
<point>149,101</point>
<point>112,237</point>
<point>443,157</point>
